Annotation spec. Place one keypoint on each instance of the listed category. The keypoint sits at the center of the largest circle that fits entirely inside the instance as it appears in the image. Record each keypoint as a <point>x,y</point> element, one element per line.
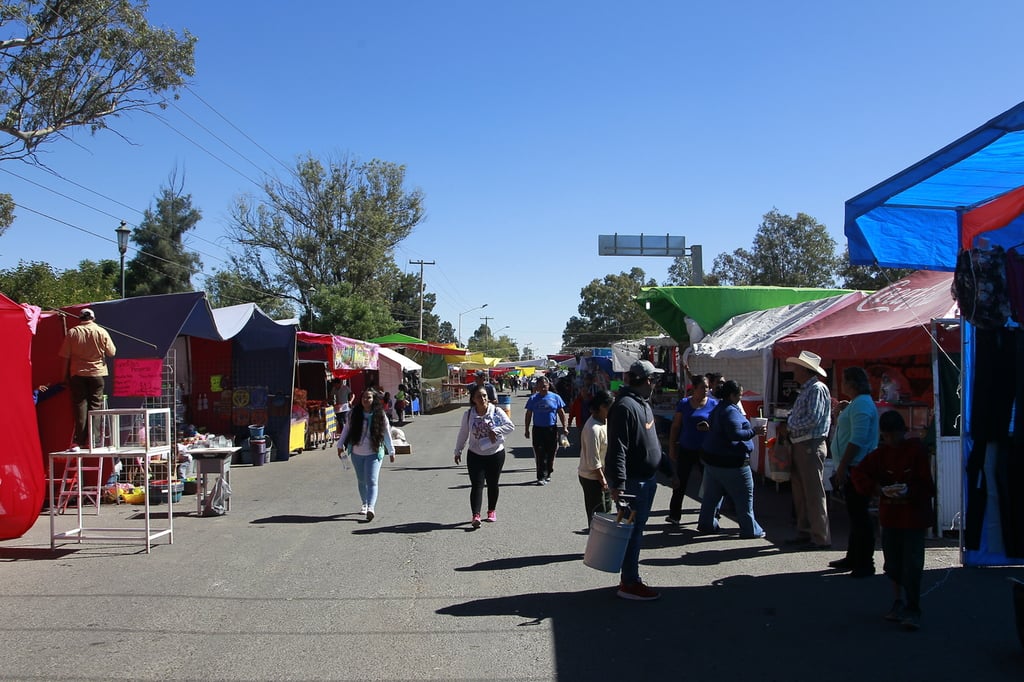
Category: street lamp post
<point>122,247</point>
<point>479,307</point>
<point>309,305</point>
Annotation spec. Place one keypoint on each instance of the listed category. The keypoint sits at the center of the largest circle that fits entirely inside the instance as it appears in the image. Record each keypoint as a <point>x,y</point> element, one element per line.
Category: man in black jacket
<point>633,458</point>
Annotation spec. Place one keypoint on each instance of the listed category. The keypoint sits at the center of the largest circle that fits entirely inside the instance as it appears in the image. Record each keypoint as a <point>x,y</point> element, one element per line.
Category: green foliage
<point>446,333</point>
<point>75,63</point>
<point>404,301</point>
<point>337,309</point>
<point>787,252</point>
<point>608,313</point>
<point>867,277</point>
<point>39,284</point>
<point>6,212</point>
<point>162,266</point>
<point>228,287</point>
<point>333,226</point>
<point>484,341</point>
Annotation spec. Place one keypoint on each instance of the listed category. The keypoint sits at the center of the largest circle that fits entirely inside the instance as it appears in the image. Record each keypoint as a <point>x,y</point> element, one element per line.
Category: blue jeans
<point>644,491</point>
<point>367,470</point>
<point>738,484</point>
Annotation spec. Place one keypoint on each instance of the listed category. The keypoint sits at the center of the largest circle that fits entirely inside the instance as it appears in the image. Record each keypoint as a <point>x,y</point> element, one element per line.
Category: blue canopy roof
<point>915,219</point>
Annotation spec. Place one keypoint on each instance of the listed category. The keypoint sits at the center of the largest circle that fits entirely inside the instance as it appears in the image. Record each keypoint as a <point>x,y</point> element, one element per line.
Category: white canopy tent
<point>390,365</point>
<point>741,349</point>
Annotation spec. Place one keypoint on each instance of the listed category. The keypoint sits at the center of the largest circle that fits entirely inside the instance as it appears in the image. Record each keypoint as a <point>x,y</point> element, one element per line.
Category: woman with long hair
<point>484,426</point>
<point>366,438</point>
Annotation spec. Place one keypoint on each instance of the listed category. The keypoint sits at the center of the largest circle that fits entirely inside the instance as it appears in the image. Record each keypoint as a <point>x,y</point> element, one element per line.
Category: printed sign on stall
<point>138,377</point>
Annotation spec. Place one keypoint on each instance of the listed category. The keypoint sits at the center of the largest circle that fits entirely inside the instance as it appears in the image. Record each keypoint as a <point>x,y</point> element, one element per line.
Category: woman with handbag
<point>726,459</point>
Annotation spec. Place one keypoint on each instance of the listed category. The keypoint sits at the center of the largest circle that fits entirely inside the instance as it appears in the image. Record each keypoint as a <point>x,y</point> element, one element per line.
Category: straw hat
<point>810,360</point>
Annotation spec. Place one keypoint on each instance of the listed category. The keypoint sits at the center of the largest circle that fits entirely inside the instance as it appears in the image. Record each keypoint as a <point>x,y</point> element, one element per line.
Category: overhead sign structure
<point>653,245</point>
<point>641,245</point>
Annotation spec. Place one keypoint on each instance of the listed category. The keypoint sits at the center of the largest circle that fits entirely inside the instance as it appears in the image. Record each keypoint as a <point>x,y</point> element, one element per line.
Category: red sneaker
<point>476,520</point>
<point>637,592</point>
<point>492,516</point>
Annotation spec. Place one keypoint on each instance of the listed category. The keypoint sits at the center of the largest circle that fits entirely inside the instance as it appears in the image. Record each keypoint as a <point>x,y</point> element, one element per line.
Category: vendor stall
<point>965,204</point>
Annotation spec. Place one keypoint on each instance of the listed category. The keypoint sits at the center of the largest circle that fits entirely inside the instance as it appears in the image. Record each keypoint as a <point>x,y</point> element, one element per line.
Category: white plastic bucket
<point>606,544</point>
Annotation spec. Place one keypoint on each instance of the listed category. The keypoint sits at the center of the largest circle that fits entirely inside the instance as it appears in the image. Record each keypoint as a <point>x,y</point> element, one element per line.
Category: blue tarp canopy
<point>921,217</point>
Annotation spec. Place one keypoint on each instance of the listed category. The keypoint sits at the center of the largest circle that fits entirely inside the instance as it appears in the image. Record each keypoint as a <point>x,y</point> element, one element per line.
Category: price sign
<point>138,377</point>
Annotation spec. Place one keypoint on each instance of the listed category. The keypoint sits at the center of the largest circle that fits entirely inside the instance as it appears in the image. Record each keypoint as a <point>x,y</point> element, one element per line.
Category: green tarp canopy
<point>711,307</point>
<point>396,338</point>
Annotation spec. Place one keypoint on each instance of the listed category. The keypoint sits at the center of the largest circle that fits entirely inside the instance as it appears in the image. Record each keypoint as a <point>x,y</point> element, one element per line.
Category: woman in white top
<point>366,438</point>
<point>484,426</point>
<point>593,445</point>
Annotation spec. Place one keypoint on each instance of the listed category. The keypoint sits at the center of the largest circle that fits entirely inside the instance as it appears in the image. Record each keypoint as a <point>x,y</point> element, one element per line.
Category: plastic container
<point>505,403</point>
<point>158,491</point>
<point>255,431</point>
<point>606,544</point>
<point>258,450</point>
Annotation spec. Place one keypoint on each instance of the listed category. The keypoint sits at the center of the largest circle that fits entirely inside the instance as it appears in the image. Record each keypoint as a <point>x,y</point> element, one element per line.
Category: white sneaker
<point>369,514</point>
<point>74,448</point>
<point>363,509</point>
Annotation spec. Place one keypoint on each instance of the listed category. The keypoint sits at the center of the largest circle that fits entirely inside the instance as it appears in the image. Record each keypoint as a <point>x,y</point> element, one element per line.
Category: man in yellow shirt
<point>86,347</point>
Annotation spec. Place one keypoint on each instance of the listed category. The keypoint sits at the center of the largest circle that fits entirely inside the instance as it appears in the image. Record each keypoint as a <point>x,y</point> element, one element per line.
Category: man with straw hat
<point>808,427</point>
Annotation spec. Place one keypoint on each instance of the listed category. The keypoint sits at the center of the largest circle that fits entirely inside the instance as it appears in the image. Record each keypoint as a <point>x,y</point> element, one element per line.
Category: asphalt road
<point>291,584</point>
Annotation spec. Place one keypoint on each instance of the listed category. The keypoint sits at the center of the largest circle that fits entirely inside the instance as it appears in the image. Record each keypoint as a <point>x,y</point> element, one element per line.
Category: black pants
<point>860,551</point>
<point>545,445</point>
<point>484,469</point>
<point>86,394</point>
<point>595,498</point>
<point>686,461</point>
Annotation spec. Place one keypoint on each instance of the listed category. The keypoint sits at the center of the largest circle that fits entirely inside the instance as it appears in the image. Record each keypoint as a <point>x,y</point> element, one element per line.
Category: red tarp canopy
<point>892,322</point>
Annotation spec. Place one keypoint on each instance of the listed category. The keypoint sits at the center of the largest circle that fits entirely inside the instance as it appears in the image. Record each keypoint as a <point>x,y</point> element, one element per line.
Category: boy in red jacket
<point>899,471</point>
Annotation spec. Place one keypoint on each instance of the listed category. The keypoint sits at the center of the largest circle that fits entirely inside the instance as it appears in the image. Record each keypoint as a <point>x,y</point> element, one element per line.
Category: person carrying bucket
<point>634,458</point>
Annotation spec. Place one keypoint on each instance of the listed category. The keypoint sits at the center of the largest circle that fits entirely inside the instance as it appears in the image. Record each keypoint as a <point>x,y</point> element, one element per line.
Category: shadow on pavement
<point>510,563</point>
<point>778,627</point>
<point>408,528</point>
<point>300,518</point>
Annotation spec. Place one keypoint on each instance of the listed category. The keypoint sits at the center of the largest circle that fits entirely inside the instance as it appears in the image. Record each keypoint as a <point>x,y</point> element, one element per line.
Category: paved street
<point>292,585</point>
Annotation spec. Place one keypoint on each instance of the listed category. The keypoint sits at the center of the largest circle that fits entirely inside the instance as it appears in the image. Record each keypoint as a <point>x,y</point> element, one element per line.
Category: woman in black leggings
<point>484,426</point>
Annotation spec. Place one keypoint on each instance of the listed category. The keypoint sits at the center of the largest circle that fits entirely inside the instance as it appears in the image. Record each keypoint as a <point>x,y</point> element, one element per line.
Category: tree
<point>161,265</point>
<point>484,341</point>
<point>340,312</point>
<point>67,64</point>
<point>39,284</point>
<point>608,313</point>
<point>405,307</point>
<point>229,287</point>
<point>867,277</point>
<point>680,274</point>
<point>446,333</point>
<point>333,226</point>
<point>74,63</point>
<point>526,353</point>
<point>787,251</point>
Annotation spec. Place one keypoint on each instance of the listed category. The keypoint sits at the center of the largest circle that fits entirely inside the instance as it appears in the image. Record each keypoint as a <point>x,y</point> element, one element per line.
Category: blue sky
<point>533,127</point>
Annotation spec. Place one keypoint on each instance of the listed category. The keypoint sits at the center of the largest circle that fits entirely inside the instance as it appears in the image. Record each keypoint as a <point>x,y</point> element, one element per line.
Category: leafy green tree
<point>405,307</point>
<point>67,64</point>
<point>162,265</point>
<point>680,274</point>
<point>608,313</point>
<point>526,353</point>
<point>867,277</point>
<point>338,311</point>
<point>484,341</point>
<point>446,333</point>
<point>787,251</point>
<point>333,226</point>
<point>228,287</point>
<point>40,284</point>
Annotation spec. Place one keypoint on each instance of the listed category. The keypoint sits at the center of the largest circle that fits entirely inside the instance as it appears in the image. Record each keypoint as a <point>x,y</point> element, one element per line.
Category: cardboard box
<point>403,449</point>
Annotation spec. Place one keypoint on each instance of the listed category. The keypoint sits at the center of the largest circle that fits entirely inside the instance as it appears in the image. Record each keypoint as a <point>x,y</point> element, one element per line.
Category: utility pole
<point>487,326</point>
<point>421,263</point>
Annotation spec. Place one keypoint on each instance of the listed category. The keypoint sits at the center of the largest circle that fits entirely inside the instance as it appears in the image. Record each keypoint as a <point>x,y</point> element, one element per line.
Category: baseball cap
<point>87,314</point>
<point>642,369</point>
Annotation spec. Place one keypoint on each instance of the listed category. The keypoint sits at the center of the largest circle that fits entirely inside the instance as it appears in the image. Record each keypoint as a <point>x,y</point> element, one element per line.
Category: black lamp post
<point>122,246</point>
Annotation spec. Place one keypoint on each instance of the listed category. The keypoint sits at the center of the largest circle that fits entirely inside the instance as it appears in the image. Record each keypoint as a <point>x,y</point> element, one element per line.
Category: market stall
<point>964,205</point>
